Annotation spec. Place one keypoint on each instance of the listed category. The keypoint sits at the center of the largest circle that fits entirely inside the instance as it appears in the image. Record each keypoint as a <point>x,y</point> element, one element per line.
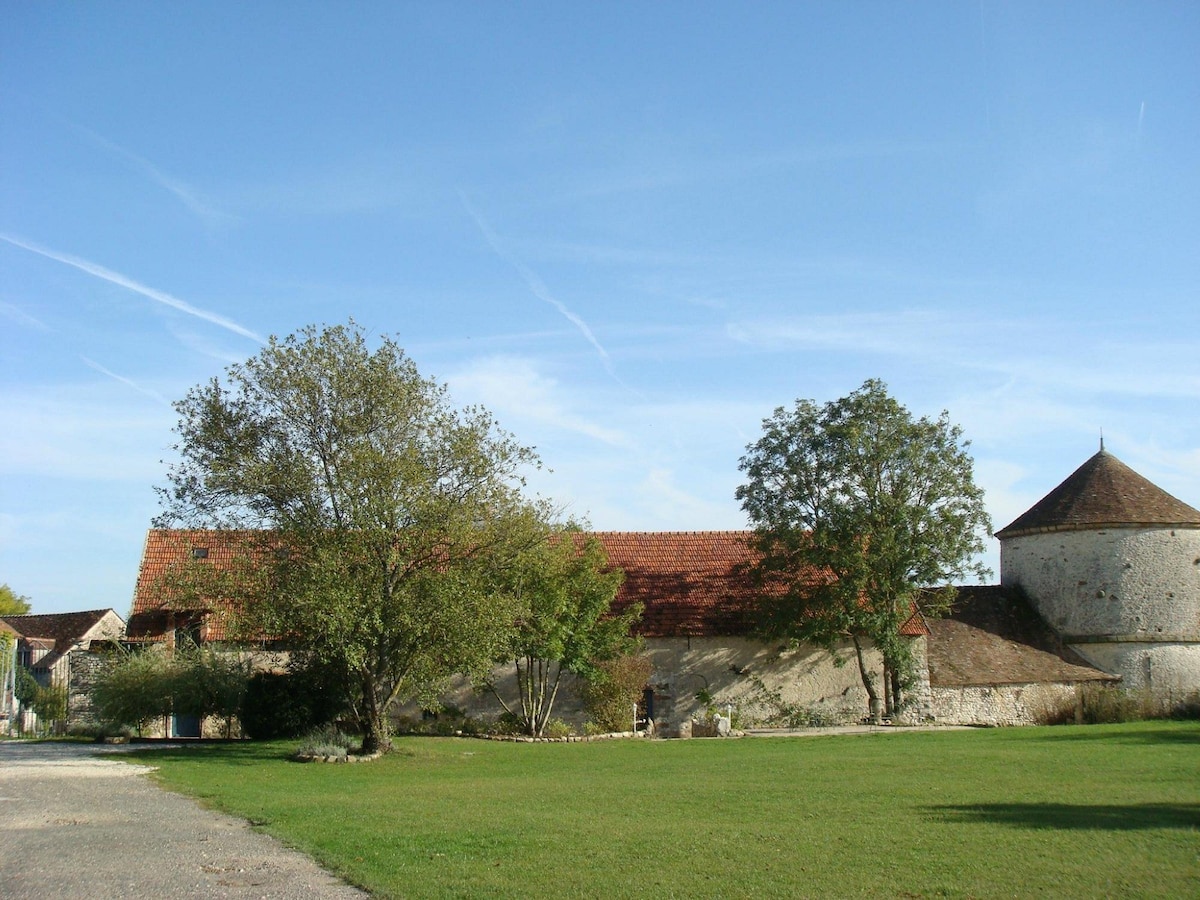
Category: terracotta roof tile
<point>166,552</point>
<point>1103,492</point>
<point>688,581</point>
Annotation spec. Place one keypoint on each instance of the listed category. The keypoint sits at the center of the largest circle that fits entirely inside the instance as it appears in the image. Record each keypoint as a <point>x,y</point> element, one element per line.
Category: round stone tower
<point>1112,563</point>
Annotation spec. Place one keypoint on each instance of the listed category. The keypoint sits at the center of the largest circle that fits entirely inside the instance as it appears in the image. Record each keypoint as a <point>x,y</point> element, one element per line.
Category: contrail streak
<point>128,382</point>
<point>129,284</point>
<point>183,192</point>
<point>536,285</point>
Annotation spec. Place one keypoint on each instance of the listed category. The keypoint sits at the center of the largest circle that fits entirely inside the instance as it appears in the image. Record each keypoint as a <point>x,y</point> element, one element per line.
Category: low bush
<point>326,740</point>
<point>1187,708</point>
<point>609,695</point>
<point>557,728</point>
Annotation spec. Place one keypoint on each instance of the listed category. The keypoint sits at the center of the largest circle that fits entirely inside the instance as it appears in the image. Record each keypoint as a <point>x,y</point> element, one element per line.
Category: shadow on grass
<point>238,753</point>
<point>1181,733</point>
<point>1064,816</point>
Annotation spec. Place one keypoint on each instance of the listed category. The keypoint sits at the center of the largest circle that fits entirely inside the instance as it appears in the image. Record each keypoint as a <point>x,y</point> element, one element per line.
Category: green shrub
<point>472,725</point>
<point>1187,708</point>
<point>134,690</point>
<point>557,728</point>
<point>508,723</point>
<point>26,685</point>
<point>610,694</point>
<point>207,682</point>
<point>144,684</point>
<point>50,703</point>
<point>273,708</point>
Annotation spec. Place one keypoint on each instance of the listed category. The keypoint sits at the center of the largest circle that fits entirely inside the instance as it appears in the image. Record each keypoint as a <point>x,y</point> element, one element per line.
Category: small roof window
<point>199,553</point>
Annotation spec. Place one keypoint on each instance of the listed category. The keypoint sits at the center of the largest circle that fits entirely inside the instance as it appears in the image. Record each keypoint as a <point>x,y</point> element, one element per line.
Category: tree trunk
<point>376,736</point>
<point>897,693</point>
<point>873,703</point>
<point>889,697</point>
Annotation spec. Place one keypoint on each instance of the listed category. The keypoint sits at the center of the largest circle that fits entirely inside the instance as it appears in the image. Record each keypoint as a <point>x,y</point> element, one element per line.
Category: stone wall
<point>84,670</point>
<point>1125,599</point>
<point>1003,705</point>
<point>1167,668</point>
<point>762,681</point>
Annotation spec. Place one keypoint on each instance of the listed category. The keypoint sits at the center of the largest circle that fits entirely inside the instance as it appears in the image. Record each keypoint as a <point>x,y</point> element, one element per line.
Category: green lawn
<point>1056,812</point>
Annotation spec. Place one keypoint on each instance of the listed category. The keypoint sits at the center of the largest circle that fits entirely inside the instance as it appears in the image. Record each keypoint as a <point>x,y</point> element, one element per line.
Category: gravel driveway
<point>75,822</point>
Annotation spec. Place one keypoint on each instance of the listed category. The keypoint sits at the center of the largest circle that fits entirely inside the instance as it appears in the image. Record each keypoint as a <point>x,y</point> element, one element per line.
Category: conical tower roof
<point>1103,493</point>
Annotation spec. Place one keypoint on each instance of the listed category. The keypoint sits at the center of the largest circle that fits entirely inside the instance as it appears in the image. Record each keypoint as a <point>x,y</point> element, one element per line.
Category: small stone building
<point>59,649</point>
<point>993,661</point>
<point>1111,563</point>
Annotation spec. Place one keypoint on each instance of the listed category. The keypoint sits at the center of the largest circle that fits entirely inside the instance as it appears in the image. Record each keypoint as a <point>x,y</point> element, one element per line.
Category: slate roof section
<point>63,629</point>
<point>992,636</point>
<point>1103,493</point>
<point>56,632</point>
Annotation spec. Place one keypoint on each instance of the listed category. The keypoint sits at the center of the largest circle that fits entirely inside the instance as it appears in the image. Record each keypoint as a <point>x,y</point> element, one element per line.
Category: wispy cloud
<point>125,381</point>
<point>128,283</point>
<point>183,192</point>
<point>514,388</point>
<point>1027,350</point>
<point>21,317</point>
<point>534,282</point>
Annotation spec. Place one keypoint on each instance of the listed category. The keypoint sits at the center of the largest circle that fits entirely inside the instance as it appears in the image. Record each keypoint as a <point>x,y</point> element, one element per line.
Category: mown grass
<point>1064,812</point>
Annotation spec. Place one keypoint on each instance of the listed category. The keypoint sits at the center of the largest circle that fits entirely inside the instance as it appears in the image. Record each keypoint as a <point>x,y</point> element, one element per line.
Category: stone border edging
<point>344,758</point>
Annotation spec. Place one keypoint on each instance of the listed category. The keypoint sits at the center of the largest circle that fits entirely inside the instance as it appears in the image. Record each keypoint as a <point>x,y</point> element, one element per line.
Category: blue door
<point>186,726</point>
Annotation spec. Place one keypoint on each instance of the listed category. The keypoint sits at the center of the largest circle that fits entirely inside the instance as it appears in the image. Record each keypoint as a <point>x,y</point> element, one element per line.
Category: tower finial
<point>1101,440</point>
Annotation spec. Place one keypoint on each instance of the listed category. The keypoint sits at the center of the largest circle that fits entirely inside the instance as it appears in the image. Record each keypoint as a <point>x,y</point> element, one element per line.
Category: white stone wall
<point>759,679</point>
<point>1117,581</point>
<point>1170,670</point>
<point>1003,705</point>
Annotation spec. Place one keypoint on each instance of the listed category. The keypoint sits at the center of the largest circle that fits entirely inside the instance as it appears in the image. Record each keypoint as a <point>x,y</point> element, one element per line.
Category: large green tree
<point>563,588</point>
<point>862,515</point>
<point>380,515</point>
<point>12,603</point>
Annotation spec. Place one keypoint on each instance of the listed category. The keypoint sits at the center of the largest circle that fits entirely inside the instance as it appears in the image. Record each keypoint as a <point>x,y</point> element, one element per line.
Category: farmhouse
<point>58,649</point>
<point>1100,583</point>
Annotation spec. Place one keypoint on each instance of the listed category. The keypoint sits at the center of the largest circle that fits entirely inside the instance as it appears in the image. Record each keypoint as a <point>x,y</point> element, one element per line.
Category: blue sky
<point>630,230</point>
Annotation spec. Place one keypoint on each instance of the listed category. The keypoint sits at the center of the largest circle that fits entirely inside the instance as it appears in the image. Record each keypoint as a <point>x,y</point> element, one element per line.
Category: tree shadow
<point>238,753</point>
<point>1178,734</point>
<point>1065,816</point>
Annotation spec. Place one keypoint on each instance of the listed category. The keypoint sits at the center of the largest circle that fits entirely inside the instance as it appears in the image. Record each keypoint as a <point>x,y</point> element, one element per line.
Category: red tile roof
<point>690,583</point>
<point>156,609</point>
